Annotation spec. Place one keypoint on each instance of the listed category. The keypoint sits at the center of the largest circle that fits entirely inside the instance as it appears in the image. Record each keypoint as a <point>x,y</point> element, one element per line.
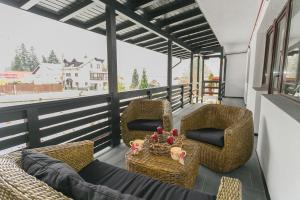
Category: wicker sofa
<point>144,109</point>
<point>237,126</point>
<point>16,184</point>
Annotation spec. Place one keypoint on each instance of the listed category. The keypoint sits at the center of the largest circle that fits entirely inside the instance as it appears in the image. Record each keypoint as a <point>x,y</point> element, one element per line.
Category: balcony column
<point>198,77</point>
<point>220,75</point>
<point>191,77</point>
<point>112,73</point>
<point>170,71</point>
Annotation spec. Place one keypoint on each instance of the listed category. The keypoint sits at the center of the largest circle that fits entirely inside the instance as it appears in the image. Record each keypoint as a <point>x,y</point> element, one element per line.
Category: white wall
<point>235,75</point>
<point>278,151</point>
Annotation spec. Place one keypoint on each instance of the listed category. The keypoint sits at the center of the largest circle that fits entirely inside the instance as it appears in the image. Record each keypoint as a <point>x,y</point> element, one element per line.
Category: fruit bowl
<point>160,143</point>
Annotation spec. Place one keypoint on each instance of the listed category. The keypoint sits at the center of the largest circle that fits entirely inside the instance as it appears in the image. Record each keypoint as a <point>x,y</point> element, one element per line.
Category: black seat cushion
<point>64,179</point>
<point>144,125</point>
<point>137,185</point>
<point>207,135</point>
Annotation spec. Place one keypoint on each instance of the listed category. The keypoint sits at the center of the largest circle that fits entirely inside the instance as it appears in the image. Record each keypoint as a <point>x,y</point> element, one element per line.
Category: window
<point>277,64</point>
<point>291,74</point>
<point>68,74</point>
<point>268,58</point>
<point>76,74</point>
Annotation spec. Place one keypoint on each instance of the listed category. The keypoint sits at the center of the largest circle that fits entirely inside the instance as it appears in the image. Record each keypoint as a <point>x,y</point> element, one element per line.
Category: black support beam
<point>112,72</point>
<point>169,71</point>
<point>180,17</point>
<point>144,22</point>
<point>74,9</point>
<point>189,24</point>
<point>149,36</point>
<point>191,31</point>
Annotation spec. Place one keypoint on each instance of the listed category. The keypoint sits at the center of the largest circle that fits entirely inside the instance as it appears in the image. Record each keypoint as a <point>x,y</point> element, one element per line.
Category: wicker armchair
<point>145,109</point>
<point>16,184</point>
<point>237,124</point>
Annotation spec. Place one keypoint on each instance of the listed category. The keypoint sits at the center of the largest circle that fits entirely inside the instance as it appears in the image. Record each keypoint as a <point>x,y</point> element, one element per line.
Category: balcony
<point>222,93</point>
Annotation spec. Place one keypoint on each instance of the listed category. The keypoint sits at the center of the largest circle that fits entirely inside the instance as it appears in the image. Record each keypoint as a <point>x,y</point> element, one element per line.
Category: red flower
<point>154,137</point>
<point>159,130</point>
<point>174,132</point>
<point>170,140</point>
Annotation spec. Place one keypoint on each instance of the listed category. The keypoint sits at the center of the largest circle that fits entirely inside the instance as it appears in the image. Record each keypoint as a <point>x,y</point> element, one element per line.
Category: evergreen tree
<point>144,80</point>
<point>44,59</point>
<point>53,58</point>
<point>17,64</point>
<point>25,58</point>
<point>34,62</point>
<point>134,80</point>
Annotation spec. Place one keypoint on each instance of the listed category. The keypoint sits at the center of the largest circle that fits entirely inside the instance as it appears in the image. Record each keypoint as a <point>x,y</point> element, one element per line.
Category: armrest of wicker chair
<point>76,154</point>
<point>167,116</point>
<point>230,189</point>
<point>241,133</point>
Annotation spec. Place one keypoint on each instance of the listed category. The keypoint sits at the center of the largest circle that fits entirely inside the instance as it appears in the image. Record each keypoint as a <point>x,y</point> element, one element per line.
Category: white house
<point>91,74</point>
<point>46,73</point>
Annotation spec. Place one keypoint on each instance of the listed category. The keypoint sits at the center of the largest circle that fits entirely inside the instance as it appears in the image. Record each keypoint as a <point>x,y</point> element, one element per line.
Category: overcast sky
<point>69,42</point>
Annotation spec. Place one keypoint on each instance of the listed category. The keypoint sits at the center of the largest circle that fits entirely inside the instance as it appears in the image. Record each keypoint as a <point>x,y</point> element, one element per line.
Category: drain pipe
<point>177,63</point>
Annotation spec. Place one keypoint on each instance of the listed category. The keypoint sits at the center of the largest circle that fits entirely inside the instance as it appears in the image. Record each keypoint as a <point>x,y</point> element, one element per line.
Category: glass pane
<point>268,61</point>
<point>279,52</point>
<point>291,76</point>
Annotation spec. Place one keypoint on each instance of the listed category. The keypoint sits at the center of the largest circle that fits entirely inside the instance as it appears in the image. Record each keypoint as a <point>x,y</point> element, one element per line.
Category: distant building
<point>13,76</point>
<point>91,74</point>
<point>154,83</point>
<point>47,73</point>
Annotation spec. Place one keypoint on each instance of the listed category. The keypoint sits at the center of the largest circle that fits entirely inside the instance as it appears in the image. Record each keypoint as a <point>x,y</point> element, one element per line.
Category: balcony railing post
<point>112,73</point>
<point>198,78</point>
<point>191,75</point>
<point>34,138</point>
<point>191,92</point>
<point>182,95</point>
<point>149,94</point>
<point>170,70</point>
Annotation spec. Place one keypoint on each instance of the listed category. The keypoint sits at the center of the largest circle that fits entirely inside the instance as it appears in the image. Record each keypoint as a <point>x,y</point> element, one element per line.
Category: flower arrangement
<point>161,141</point>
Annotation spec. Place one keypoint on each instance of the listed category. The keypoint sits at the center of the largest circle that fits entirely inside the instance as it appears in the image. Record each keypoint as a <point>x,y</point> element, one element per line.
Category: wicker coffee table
<point>165,169</point>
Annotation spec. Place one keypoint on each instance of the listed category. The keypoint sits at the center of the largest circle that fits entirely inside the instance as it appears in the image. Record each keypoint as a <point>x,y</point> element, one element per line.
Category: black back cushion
<point>63,178</point>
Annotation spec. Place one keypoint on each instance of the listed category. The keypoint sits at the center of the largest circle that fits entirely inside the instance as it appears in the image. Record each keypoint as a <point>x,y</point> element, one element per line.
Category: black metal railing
<point>83,118</point>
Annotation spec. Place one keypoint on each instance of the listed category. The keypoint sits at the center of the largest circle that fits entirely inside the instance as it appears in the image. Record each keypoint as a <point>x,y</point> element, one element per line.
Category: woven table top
<point>148,160</point>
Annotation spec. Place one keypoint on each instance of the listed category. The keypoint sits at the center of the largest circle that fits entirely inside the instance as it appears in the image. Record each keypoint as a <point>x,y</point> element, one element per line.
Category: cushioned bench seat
<point>144,125</point>
<point>137,185</point>
<point>207,135</point>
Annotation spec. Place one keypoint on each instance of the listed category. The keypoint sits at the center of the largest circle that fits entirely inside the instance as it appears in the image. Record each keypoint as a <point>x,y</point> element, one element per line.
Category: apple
<point>154,137</point>
<point>170,140</point>
<point>159,130</point>
<point>174,132</point>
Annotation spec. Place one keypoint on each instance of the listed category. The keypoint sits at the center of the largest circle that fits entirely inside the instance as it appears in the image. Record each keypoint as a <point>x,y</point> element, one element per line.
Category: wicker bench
<point>16,184</point>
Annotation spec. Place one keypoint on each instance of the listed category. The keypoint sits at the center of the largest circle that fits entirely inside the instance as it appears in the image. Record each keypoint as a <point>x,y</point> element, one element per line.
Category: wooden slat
<point>74,124</point>
<point>7,116</point>
<point>159,95</point>
<point>70,116</point>
<point>101,139</point>
<point>102,146</point>
<point>77,101</point>
<point>69,104</point>
<point>11,142</point>
<point>12,130</point>
<point>70,136</point>
<point>95,134</point>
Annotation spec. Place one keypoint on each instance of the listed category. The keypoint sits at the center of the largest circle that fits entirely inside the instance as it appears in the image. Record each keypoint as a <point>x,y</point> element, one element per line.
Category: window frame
<point>284,13</point>
<point>289,10</point>
<point>270,31</point>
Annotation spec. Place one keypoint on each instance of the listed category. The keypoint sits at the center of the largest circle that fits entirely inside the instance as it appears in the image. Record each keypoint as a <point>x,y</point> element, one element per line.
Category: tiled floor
<point>207,180</point>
